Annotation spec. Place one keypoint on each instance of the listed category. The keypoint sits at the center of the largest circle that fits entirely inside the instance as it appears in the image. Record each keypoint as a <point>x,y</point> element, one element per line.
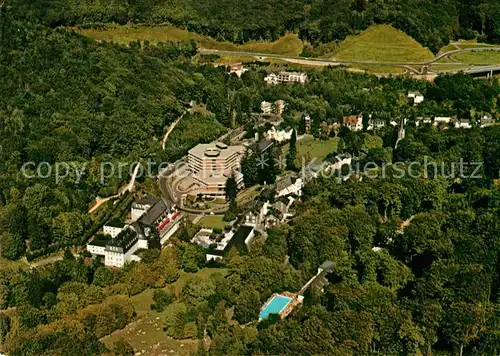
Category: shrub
<point>161,299</point>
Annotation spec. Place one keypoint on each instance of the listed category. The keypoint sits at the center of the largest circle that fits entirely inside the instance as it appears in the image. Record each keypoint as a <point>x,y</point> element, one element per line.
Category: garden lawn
<point>309,148</point>
<point>212,222</point>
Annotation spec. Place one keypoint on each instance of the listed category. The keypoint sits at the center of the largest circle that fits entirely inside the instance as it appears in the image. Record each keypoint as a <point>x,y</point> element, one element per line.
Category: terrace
<point>281,304</point>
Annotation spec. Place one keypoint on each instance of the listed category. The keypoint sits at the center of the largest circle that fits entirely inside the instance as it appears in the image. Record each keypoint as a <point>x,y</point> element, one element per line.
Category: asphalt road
<point>333,62</point>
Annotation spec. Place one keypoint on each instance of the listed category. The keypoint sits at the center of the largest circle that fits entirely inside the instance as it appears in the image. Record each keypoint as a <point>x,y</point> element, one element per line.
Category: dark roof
<point>280,206</point>
<point>115,223</point>
<point>237,241</point>
<point>149,200</point>
<point>284,183</point>
<point>153,213</point>
<point>99,242</point>
<point>262,145</point>
<point>123,241</point>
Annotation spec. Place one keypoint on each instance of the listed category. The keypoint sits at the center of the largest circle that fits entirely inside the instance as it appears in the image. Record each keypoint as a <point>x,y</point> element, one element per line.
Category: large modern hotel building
<point>211,164</point>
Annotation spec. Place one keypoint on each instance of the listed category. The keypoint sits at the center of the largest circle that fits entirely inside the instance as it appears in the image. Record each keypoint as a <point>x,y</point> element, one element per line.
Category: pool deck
<point>293,301</point>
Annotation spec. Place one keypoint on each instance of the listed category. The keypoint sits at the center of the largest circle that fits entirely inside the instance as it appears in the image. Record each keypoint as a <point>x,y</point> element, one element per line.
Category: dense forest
<point>67,98</point>
<point>432,285</point>
<point>432,23</point>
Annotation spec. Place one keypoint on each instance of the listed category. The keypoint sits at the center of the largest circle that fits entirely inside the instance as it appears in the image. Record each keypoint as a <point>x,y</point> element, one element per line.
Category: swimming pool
<point>275,305</point>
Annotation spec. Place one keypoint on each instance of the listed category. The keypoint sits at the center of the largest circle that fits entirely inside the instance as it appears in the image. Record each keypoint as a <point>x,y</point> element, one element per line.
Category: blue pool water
<point>276,305</point>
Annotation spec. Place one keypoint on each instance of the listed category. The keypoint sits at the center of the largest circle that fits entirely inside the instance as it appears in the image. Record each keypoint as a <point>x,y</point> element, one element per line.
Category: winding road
<point>408,66</point>
<point>127,188</point>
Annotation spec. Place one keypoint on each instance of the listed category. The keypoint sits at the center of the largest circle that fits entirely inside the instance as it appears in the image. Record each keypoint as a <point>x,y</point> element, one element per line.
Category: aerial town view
<point>288,177</point>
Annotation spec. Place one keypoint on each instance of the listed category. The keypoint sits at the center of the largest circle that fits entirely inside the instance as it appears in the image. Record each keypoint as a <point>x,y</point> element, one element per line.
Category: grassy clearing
<point>126,34</point>
<point>4,263</point>
<point>447,48</point>
<point>482,57</point>
<point>146,333</point>
<point>382,43</point>
<point>212,222</point>
<point>309,148</point>
<point>443,68</point>
<point>379,69</point>
<point>248,194</point>
<point>225,60</point>
<point>289,44</point>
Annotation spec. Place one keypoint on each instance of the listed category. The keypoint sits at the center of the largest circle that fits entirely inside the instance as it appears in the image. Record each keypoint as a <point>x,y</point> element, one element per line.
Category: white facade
<point>294,188</point>
<point>340,160</point>
<point>354,122</point>
<point>279,135</point>
<point>416,96</point>
<point>463,124</point>
<point>422,120</point>
<point>96,250</point>
<point>118,253</point>
<point>487,120</point>
<point>112,230</point>
<point>237,69</point>
<point>118,259</point>
<point>137,212</point>
<point>286,77</point>
<point>212,164</point>
<point>266,107</point>
<point>441,120</point>
<point>374,124</point>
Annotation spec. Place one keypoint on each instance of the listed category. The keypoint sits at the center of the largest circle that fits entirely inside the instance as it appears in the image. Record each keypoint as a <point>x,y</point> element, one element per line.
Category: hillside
<point>431,23</point>
<point>289,44</point>
<point>382,43</point>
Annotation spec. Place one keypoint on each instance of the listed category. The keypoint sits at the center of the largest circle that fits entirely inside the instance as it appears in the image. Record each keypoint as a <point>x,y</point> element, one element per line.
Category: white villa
<point>237,69</point>
<point>286,77</point>
<point>354,122</point>
<point>289,185</point>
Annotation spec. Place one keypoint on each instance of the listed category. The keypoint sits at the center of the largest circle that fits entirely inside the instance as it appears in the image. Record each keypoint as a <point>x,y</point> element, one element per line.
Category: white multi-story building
<point>121,248</point>
<point>212,164</point>
<point>286,77</point>
<point>266,107</point>
<point>113,228</point>
<point>140,206</point>
<point>269,108</point>
<point>374,124</point>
